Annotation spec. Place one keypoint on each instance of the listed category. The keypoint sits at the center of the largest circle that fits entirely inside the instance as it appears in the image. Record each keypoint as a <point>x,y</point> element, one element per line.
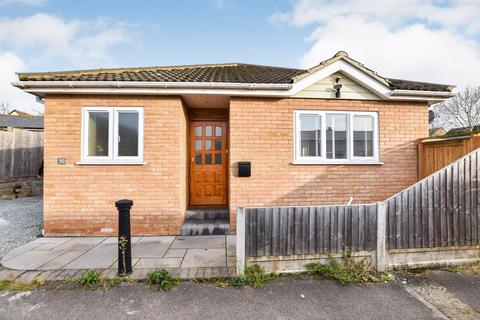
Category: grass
<point>161,279</point>
<point>16,285</point>
<point>256,276</point>
<point>347,272</point>
<point>466,269</point>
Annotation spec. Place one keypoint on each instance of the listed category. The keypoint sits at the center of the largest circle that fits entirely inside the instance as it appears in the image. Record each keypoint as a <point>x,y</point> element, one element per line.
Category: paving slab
<point>151,247</point>
<point>115,239</point>
<point>102,256</point>
<point>62,260</point>
<point>195,258</point>
<point>158,263</point>
<point>50,240</point>
<point>28,276</point>
<point>18,251</point>
<point>175,253</point>
<point>85,243</point>
<point>31,260</point>
<point>198,242</point>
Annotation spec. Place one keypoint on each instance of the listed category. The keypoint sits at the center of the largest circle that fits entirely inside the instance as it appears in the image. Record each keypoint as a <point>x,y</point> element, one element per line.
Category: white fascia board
<point>367,81</point>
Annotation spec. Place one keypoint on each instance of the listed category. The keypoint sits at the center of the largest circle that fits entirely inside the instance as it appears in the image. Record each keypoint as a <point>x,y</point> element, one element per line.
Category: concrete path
<point>283,299</point>
<point>59,258</point>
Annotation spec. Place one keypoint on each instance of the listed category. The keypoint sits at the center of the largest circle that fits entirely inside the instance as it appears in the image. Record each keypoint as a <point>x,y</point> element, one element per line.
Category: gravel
<point>21,221</point>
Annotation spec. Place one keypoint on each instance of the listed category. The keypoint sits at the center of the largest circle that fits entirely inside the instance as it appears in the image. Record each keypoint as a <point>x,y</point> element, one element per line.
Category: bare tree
<point>4,107</point>
<point>461,111</point>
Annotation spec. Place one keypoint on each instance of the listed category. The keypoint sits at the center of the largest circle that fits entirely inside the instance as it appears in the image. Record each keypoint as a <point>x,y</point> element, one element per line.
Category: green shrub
<point>256,276</point>
<point>160,279</point>
<point>350,271</point>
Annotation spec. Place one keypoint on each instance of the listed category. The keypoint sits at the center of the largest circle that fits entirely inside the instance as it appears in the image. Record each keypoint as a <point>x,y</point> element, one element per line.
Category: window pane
<point>208,131</point>
<point>198,131</point>
<point>198,144</point>
<point>363,136</point>
<point>336,136</point>
<point>128,134</point>
<point>310,135</point>
<point>198,158</point>
<point>218,131</point>
<point>97,134</point>
<point>218,144</point>
<point>218,158</point>
<point>208,158</point>
<point>208,144</point>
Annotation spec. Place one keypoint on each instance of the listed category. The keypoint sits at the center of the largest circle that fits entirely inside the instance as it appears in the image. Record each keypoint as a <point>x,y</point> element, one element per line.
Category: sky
<point>424,40</point>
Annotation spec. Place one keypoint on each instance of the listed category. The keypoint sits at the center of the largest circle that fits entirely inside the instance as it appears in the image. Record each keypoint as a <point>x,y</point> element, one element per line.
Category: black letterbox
<point>244,169</point>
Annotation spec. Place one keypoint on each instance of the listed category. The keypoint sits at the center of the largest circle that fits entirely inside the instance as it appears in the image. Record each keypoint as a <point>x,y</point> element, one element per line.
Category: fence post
<point>240,240</point>
<point>381,236</point>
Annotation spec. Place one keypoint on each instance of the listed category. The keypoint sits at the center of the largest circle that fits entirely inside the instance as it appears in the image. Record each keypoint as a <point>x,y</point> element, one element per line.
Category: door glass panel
<point>208,144</point>
<point>218,158</point>
<point>208,158</point>
<point>208,131</point>
<point>218,144</point>
<point>218,131</point>
<point>198,144</point>
<point>198,158</point>
<point>198,131</point>
<point>98,134</point>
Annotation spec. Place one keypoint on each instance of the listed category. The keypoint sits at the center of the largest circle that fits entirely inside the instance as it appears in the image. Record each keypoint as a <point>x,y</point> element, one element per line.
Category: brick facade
<point>79,199</point>
<point>261,131</point>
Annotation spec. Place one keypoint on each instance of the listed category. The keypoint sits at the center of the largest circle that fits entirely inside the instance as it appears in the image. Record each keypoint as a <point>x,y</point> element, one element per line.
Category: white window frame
<point>299,159</point>
<point>113,137</point>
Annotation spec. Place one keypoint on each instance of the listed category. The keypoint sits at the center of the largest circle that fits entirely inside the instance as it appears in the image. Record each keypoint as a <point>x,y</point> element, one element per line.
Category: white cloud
<point>412,39</point>
<point>22,2</point>
<point>9,64</point>
<point>82,43</point>
<point>49,40</point>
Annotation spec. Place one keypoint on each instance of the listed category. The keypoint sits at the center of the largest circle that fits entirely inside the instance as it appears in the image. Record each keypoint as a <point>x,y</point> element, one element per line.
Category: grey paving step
<point>205,227</point>
<point>206,214</point>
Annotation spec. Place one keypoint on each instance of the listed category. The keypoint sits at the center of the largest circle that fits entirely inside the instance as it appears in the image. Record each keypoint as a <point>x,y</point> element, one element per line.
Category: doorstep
<point>188,257</point>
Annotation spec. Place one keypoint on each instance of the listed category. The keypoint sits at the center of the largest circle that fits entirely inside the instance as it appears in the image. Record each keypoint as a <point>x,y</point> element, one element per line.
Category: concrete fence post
<point>240,240</point>
<point>381,236</point>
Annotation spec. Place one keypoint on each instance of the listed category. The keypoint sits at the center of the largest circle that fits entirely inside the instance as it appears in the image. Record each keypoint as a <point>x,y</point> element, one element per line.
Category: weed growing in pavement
<point>256,276</point>
<point>350,271</point>
<point>17,285</point>
<point>161,279</point>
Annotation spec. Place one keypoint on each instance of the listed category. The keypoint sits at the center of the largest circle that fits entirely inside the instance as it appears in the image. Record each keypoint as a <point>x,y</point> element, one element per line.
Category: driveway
<point>21,221</point>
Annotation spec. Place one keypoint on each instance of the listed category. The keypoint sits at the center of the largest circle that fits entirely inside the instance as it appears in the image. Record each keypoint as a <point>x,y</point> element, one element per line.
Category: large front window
<point>112,135</point>
<point>336,137</point>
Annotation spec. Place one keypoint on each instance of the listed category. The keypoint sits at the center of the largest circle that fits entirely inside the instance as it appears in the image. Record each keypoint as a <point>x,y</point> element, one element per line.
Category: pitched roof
<point>221,73</point>
<point>27,122</point>
<point>17,112</point>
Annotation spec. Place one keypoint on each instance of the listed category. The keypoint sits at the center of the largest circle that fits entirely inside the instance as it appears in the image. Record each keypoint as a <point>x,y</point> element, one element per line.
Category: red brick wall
<point>80,199</point>
<point>261,131</point>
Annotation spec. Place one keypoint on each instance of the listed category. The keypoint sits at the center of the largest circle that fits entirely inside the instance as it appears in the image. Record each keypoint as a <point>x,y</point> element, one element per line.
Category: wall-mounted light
<point>337,87</point>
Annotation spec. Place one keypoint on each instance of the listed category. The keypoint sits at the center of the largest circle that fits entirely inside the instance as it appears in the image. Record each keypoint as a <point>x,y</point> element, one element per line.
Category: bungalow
<point>190,144</point>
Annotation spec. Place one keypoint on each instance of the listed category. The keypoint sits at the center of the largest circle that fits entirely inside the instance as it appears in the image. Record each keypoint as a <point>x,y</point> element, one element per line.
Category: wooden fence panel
<point>441,210</point>
<point>282,231</point>
<point>434,154</point>
<point>21,153</point>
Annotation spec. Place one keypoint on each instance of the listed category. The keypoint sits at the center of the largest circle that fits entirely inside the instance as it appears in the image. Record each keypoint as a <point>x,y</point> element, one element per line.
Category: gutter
<point>421,93</point>
<point>150,85</point>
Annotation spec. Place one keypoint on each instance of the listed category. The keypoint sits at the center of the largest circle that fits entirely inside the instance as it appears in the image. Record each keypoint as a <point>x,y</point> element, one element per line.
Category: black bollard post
<point>124,238</point>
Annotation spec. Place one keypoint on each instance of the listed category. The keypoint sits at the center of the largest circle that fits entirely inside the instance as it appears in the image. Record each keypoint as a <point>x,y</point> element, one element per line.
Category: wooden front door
<point>208,165</point>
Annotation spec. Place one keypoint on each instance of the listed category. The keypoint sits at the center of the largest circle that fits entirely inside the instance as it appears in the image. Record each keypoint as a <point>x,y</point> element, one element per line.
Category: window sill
<point>353,162</point>
<point>110,163</point>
